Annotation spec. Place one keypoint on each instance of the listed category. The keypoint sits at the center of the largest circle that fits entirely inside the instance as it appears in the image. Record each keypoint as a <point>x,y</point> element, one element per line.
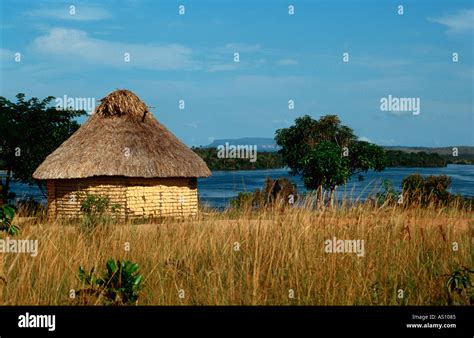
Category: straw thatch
<point>122,138</point>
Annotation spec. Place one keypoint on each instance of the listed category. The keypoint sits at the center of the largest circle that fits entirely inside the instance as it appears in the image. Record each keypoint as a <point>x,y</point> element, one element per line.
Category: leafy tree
<point>324,166</point>
<point>297,140</point>
<point>29,131</point>
<point>325,152</point>
<point>364,156</point>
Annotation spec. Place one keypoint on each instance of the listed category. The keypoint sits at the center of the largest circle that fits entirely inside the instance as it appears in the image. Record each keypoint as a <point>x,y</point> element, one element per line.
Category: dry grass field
<point>271,257</point>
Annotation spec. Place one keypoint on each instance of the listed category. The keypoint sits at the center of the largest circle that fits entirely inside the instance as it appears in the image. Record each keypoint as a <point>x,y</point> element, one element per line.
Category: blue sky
<point>282,57</point>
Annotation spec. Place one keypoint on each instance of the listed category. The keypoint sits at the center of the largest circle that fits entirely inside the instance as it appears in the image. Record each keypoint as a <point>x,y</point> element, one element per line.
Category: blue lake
<point>219,188</point>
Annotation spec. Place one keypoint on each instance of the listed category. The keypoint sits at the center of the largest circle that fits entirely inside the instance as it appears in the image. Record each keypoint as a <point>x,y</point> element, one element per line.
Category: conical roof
<point>122,138</point>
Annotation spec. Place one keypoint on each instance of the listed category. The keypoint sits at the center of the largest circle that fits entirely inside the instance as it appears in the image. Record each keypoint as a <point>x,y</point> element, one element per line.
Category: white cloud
<point>242,47</point>
<point>76,46</point>
<point>81,13</point>
<point>365,139</point>
<point>222,58</point>
<point>389,142</point>
<point>287,62</point>
<point>381,62</point>
<point>462,21</point>
<point>191,125</point>
<point>400,113</point>
<point>225,65</point>
<point>216,67</point>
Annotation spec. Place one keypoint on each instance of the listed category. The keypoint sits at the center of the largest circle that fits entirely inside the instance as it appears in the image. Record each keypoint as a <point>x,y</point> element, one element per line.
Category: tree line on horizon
<point>274,160</point>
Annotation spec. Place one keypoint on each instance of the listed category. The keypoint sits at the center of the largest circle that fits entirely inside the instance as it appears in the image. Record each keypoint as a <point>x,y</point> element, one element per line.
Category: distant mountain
<point>464,150</point>
<point>265,144</point>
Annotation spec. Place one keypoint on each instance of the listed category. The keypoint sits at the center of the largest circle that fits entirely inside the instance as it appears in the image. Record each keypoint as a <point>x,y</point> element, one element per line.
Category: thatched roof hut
<point>123,152</point>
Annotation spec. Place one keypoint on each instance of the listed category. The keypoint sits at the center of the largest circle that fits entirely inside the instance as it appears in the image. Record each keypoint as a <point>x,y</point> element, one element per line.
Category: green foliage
<point>325,166</point>
<point>315,149</point>
<point>413,187</point>
<point>437,186</point>
<point>94,204</point>
<point>265,160</point>
<point>398,158</point>
<point>459,284</point>
<point>420,191</point>
<point>389,195</point>
<point>96,210</point>
<point>364,156</point>
<point>7,213</point>
<point>30,130</point>
<point>433,189</point>
<point>360,158</point>
<point>242,200</point>
<point>274,192</point>
<point>278,192</point>
<point>297,140</point>
<point>120,284</point>
<point>460,159</point>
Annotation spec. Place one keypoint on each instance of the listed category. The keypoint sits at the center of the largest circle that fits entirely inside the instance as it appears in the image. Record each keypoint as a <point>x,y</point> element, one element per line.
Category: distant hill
<point>269,144</point>
<point>264,144</point>
<point>465,154</point>
<point>462,150</point>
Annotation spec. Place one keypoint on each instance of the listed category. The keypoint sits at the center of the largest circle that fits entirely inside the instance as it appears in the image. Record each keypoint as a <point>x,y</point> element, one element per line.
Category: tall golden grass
<point>254,258</point>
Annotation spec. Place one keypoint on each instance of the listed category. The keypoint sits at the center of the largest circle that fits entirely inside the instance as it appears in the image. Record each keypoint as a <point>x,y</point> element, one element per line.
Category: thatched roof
<point>122,138</point>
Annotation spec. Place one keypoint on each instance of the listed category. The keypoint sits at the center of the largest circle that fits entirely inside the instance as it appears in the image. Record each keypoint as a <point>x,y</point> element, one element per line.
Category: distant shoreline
<point>3,172</point>
<point>216,159</point>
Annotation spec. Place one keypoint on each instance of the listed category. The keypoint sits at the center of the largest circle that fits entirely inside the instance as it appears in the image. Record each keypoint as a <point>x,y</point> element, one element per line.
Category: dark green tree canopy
<point>325,152</point>
<point>324,166</point>
<point>29,131</point>
<point>297,140</point>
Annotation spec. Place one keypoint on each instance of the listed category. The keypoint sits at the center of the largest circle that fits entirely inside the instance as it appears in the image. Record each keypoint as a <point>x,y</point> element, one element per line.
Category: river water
<point>219,188</point>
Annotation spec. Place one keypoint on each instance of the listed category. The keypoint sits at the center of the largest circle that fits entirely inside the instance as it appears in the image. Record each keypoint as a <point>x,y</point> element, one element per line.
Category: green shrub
<point>7,213</point>
<point>96,211</point>
<point>278,191</point>
<point>389,195</point>
<point>459,285</point>
<point>423,191</point>
<point>242,200</point>
<point>436,187</point>
<point>120,284</point>
<point>93,204</point>
<point>274,192</point>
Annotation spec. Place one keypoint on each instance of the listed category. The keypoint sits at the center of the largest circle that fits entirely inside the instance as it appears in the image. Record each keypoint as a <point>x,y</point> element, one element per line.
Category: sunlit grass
<point>251,257</point>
